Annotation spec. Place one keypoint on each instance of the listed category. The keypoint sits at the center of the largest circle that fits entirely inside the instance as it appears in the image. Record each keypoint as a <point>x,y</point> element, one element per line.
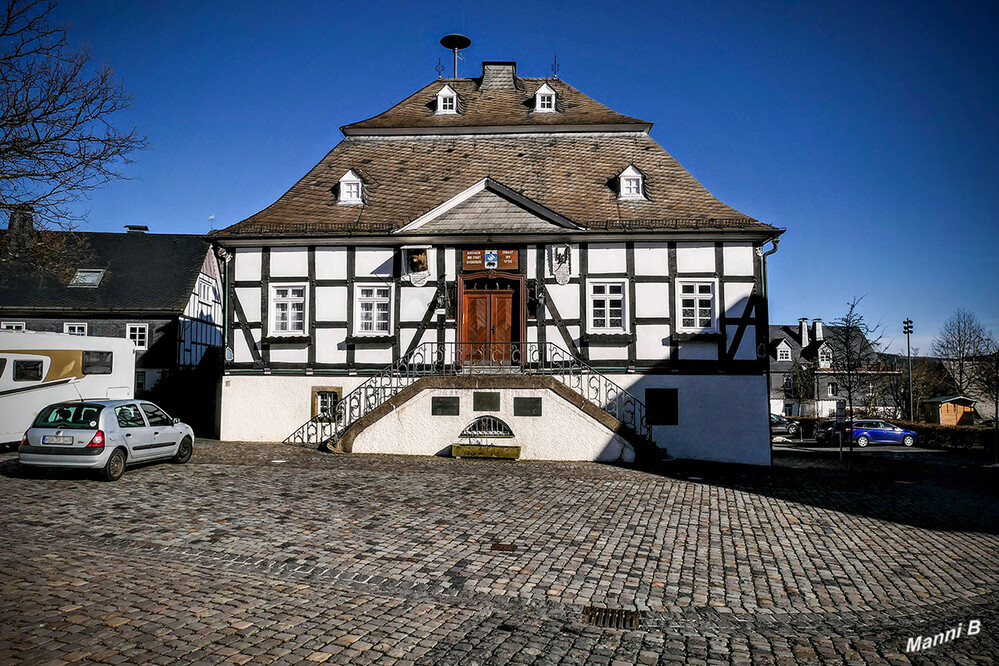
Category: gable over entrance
<point>489,206</point>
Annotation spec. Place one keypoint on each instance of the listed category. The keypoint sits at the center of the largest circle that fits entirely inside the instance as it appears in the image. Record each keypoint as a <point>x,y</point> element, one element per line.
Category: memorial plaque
<point>483,401</point>
<point>444,406</point>
<point>527,406</point>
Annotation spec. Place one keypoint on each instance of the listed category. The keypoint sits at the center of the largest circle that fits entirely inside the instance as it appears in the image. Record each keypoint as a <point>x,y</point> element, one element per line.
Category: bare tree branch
<point>57,139</point>
<point>960,341</point>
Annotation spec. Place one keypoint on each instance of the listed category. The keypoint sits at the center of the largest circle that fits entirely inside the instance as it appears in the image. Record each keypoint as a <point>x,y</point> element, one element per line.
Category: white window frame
<point>782,352</point>
<point>829,389</point>
<point>82,325</point>
<point>79,281</point>
<point>358,300</point>
<point>273,300</point>
<point>12,326</point>
<point>591,327</point>
<point>631,184</point>
<point>145,334</point>
<point>825,357</point>
<point>447,101</point>
<point>351,190</point>
<point>545,99</point>
<point>697,327</point>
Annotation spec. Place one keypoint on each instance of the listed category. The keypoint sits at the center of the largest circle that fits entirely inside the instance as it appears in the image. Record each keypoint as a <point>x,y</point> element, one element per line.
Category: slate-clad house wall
<point>602,244</point>
<point>162,290</point>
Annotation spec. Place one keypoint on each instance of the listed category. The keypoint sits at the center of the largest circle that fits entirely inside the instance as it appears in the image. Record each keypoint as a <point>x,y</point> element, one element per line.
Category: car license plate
<point>53,439</point>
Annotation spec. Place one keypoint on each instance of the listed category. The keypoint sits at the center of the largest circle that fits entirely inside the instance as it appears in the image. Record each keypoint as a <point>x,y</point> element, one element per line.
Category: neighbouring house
<point>807,380</point>
<point>502,265</point>
<point>949,410</point>
<point>162,291</point>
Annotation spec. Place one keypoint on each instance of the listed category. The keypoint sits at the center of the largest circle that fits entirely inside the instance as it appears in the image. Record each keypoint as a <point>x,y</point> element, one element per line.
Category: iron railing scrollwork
<point>461,358</point>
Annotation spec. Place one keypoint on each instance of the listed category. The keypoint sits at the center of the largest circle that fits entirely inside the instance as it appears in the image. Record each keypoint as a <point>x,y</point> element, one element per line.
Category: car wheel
<point>863,441</point>
<point>184,451</point>
<point>908,440</point>
<point>792,430</point>
<point>115,466</point>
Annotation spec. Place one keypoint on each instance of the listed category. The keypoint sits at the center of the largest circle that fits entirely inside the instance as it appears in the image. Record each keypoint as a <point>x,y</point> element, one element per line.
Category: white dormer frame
<point>351,190</point>
<point>545,99</point>
<point>825,356</point>
<point>783,350</point>
<point>447,101</point>
<point>631,184</point>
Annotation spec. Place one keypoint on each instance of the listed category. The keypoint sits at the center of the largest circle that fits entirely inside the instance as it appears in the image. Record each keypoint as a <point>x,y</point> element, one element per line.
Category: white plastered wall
<point>563,432</point>
<point>721,417</point>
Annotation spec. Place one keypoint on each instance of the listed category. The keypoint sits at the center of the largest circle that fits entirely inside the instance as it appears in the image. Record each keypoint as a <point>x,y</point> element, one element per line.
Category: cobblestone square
<point>256,553</point>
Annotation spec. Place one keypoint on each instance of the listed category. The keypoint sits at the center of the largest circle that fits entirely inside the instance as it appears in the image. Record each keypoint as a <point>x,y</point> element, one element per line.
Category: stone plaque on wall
<point>527,406</point>
<point>486,401</point>
<point>444,406</point>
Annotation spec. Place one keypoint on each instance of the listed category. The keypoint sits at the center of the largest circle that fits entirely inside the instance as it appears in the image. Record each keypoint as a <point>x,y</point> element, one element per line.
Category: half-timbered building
<point>499,266</point>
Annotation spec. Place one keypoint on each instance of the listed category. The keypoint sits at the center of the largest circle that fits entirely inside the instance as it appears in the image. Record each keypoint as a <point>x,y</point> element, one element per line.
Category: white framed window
<point>12,326</point>
<point>833,389</point>
<point>783,354</point>
<point>351,189</point>
<point>139,334</point>
<point>87,277</point>
<point>288,305</point>
<point>825,357</point>
<point>544,99</point>
<point>447,101</point>
<point>372,309</point>
<point>607,306</point>
<point>631,183</point>
<point>75,328</point>
<point>698,306</point>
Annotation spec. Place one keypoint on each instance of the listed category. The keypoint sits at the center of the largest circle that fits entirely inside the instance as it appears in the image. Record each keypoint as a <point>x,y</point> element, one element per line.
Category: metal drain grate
<point>611,618</point>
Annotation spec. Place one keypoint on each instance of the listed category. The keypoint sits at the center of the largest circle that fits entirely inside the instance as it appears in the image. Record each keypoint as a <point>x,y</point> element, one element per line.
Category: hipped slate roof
<point>144,273</point>
<point>573,175</point>
<point>511,106</point>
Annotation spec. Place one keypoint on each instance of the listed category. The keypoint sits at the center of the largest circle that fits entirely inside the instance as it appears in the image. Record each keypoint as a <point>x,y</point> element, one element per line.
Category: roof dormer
<point>351,189</point>
<point>544,99</point>
<point>631,184</point>
<point>447,101</point>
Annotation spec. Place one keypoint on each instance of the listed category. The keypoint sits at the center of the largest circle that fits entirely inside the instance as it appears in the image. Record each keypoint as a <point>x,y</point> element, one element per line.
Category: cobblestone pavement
<point>236,558</point>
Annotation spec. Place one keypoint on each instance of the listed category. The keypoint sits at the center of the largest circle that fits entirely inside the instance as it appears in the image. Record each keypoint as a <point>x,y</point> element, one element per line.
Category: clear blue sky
<point>869,130</point>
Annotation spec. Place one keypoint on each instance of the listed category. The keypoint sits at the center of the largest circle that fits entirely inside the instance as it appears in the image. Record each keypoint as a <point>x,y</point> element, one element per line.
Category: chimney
<point>803,331</point>
<point>819,335</point>
<point>21,220</point>
<point>136,228</point>
<point>498,75</point>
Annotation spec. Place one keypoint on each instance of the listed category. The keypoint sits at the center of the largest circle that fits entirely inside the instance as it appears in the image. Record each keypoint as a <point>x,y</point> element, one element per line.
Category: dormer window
<point>631,185</point>
<point>351,189</point>
<point>447,101</point>
<point>544,99</point>
<point>825,357</point>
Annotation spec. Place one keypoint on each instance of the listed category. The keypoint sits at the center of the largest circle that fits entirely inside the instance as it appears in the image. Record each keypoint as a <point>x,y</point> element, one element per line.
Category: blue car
<point>879,432</point>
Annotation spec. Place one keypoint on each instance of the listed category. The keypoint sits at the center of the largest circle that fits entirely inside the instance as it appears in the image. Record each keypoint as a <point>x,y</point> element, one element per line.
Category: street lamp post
<point>907,329</point>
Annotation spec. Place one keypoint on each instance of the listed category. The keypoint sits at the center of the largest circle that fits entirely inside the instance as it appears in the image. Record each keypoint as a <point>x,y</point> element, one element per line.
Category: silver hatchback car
<point>104,435</point>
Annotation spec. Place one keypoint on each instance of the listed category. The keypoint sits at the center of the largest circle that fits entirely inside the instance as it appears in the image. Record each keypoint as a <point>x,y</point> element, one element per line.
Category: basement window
<point>487,426</point>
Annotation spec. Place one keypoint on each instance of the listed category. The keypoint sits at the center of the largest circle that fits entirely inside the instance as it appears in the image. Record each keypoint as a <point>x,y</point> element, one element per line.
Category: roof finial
<point>439,68</point>
<point>555,67</point>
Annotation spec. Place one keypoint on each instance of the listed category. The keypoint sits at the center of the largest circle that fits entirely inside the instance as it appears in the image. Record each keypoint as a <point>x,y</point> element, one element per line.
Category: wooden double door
<point>490,322</point>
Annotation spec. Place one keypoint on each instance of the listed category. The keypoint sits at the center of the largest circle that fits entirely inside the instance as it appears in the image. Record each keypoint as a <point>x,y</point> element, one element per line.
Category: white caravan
<point>38,369</point>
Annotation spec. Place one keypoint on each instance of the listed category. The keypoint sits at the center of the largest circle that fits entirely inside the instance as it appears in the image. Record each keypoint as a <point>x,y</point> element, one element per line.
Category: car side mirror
<point>176,420</point>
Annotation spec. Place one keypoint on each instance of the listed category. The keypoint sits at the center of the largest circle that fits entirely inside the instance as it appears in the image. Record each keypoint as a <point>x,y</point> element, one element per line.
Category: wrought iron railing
<point>461,358</point>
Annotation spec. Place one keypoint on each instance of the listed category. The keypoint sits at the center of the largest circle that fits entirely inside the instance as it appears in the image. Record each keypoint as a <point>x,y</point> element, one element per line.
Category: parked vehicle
<point>780,425</point>
<point>872,431</point>
<point>825,433</point>
<point>38,369</point>
<point>104,435</point>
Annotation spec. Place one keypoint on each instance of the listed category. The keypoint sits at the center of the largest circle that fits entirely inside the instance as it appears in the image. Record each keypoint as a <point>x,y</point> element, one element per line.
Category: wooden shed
<point>949,410</point>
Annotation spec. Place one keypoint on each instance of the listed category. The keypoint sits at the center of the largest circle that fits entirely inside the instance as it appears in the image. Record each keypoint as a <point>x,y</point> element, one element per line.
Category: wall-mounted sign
<point>502,260</point>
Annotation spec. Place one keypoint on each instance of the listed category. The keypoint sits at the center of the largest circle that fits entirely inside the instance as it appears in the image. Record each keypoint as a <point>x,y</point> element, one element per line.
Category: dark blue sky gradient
<point>868,130</point>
